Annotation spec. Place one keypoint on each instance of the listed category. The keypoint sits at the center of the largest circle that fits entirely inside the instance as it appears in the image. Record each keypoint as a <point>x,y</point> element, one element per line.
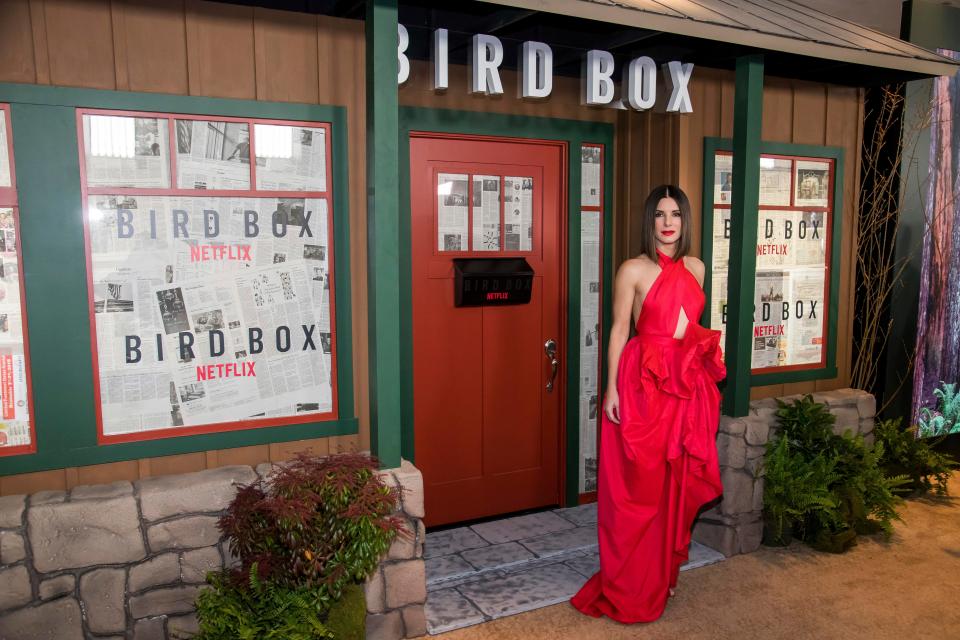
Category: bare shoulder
<point>634,268</point>
<point>696,267</point>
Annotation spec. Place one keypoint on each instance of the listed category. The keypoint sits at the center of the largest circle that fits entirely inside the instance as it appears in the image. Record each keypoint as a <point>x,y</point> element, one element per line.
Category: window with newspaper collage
<point>17,431</point>
<point>793,259</point>
<point>591,271</point>
<point>210,268</point>
<point>499,218</point>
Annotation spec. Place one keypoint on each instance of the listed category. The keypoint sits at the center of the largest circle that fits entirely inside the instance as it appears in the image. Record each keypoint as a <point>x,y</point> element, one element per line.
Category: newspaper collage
<point>591,170</point>
<point>15,420</point>
<point>791,260</point>
<point>486,213</point>
<point>302,169</point>
<point>213,155</point>
<point>590,270</point>
<point>453,214</point>
<point>4,152</point>
<point>126,152</point>
<point>211,309</point>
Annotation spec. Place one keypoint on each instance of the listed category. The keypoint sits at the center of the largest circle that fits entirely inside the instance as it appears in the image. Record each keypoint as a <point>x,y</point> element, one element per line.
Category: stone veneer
<point>735,525</point>
<point>127,560</point>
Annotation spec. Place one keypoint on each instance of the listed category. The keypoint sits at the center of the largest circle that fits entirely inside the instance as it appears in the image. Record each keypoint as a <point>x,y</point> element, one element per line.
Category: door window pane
<point>518,213</point>
<point>452,213</point>
<point>486,213</point>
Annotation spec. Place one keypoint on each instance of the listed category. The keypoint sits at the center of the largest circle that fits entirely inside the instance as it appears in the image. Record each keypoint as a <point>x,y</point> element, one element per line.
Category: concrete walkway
<point>902,589</point>
<point>501,568</point>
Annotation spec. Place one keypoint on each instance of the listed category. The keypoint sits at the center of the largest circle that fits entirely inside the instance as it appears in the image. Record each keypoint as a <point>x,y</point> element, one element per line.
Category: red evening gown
<point>659,466</point>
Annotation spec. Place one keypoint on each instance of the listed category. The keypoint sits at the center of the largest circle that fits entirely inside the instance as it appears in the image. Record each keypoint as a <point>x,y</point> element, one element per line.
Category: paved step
<point>504,567</point>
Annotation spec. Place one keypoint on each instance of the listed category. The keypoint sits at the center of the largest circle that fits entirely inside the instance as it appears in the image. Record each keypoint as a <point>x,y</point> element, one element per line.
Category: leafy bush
<point>946,418</point>
<point>906,454</point>
<point>259,610</point>
<point>863,498</point>
<point>320,522</point>
<point>304,537</point>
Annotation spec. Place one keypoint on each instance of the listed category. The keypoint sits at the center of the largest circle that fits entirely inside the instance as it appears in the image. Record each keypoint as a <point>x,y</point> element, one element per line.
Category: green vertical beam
<point>383,239</point>
<point>747,120</point>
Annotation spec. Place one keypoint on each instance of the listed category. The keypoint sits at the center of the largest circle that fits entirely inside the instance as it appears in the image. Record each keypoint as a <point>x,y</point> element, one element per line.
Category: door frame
<point>573,133</point>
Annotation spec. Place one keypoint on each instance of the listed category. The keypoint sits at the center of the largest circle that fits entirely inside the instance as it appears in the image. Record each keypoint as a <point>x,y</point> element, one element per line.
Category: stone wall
<point>127,560</point>
<point>735,525</point>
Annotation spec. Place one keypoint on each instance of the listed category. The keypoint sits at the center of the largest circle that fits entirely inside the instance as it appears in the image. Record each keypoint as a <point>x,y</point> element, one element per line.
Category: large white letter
<point>537,75</point>
<point>439,55</point>
<point>403,64</point>
<point>599,87</point>
<point>640,79</point>
<point>487,54</point>
<point>680,77</point>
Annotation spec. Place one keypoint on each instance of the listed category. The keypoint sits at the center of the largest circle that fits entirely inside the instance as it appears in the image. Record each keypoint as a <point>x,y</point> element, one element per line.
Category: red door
<point>487,429</point>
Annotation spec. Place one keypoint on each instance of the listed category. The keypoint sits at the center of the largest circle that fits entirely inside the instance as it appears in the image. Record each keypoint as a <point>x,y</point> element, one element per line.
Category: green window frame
<point>45,144</point>
<point>835,154</point>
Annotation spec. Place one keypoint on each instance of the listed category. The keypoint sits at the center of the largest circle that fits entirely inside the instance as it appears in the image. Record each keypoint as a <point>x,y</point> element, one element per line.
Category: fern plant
<point>259,610</point>
<point>863,496</point>
<point>904,453</point>
<point>945,419</point>
<point>794,489</point>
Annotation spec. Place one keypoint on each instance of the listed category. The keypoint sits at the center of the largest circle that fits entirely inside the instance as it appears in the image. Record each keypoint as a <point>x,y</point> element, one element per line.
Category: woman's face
<point>669,222</point>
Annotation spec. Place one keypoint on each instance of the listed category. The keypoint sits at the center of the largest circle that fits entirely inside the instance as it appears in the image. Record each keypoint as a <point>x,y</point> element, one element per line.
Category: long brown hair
<point>648,221</point>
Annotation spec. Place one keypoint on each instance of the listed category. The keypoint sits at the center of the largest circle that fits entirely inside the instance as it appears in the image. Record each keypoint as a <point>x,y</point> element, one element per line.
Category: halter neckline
<point>664,257</point>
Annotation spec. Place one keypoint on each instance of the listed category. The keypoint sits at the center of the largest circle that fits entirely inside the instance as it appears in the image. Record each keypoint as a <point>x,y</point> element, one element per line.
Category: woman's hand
<point>611,406</point>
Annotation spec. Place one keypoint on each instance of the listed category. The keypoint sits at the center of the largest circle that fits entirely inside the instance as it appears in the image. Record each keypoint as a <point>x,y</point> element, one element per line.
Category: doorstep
<point>495,569</point>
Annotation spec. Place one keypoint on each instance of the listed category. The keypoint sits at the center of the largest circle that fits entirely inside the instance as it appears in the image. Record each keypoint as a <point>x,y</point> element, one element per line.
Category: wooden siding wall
<point>201,49</point>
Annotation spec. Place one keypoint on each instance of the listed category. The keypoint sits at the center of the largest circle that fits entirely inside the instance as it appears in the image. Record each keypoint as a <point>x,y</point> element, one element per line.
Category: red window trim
<point>829,210</point>
<point>173,190</point>
<point>8,199</point>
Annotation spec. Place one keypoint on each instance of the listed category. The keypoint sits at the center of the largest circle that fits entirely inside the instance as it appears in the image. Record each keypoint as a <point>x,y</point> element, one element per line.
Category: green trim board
<point>747,121</point>
<point>574,133</point>
<point>383,244</point>
<point>710,147</point>
<point>54,271</point>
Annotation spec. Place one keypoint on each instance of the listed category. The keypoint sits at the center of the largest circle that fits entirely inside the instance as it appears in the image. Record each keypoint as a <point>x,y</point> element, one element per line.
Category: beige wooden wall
<point>199,48</point>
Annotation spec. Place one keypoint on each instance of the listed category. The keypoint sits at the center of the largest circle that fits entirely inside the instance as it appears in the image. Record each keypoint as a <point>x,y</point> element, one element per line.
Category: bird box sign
<point>639,88</point>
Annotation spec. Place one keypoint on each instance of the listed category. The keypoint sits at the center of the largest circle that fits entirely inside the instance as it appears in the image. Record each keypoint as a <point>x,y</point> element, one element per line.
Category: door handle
<point>550,349</point>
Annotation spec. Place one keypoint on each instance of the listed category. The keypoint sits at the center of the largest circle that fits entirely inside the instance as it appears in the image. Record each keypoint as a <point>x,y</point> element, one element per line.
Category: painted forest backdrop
<point>936,401</point>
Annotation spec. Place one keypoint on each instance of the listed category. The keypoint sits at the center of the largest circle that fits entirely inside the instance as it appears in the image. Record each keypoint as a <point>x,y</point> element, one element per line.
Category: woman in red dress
<point>658,454</point>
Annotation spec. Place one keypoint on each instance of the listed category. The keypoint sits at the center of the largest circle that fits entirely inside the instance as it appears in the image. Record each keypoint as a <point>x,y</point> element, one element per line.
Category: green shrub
<point>258,610</point>
<point>863,497</point>
<point>320,522</point>
<point>906,454</point>
<point>305,538</point>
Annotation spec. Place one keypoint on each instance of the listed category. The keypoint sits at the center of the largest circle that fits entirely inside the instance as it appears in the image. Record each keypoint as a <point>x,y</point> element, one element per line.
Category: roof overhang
<point>769,25</point>
<point>796,41</point>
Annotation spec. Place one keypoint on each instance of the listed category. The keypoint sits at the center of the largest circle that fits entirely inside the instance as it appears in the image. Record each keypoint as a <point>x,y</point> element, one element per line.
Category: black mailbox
<point>491,281</point>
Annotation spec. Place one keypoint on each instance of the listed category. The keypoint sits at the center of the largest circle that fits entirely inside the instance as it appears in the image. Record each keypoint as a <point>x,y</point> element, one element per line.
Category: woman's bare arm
<point>624,291</point>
